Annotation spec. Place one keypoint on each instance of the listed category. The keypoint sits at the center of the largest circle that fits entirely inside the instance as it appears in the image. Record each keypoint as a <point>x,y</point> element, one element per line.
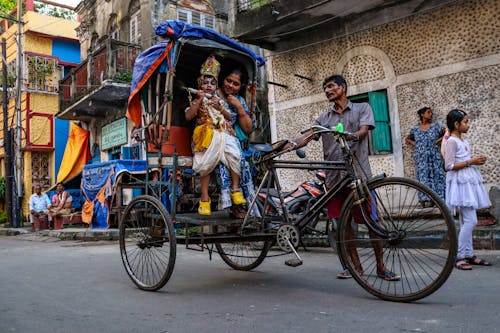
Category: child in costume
<point>213,138</point>
<point>464,187</point>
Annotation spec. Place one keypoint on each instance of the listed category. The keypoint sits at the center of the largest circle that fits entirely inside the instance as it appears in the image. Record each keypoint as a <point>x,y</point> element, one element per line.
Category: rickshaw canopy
<point>165,52</point>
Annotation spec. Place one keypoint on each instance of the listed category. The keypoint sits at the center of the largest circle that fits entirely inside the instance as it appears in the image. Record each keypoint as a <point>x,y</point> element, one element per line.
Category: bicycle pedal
<point>293,262</point>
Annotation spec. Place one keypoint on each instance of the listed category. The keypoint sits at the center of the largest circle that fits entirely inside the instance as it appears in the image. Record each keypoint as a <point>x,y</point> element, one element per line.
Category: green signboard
<point>114,134</point>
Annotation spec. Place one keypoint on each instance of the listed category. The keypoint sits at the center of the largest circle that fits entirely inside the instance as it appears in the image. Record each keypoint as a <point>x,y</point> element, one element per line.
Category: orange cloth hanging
<point>76,154</point>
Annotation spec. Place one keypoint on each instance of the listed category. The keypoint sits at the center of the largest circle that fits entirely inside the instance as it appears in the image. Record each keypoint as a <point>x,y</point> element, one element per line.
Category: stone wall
<point>465,31</point>
<point>477,92</point>
<point>444,59</point>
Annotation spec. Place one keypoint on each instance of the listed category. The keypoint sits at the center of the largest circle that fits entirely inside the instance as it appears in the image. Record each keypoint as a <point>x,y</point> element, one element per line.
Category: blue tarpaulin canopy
<point>98,183</point>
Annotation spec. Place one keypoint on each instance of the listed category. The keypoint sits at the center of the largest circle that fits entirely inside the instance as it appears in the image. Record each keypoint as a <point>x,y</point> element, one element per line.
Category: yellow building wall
<point>44,103</point>
<point>51,26</point>
<point>39,45</point>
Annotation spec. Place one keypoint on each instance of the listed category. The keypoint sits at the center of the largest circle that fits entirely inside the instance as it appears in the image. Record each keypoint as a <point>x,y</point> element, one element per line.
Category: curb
<point>485,237</point>
<point>67,233</point>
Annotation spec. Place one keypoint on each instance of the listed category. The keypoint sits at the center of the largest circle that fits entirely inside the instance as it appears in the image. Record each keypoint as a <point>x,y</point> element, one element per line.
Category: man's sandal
<point>478,262</point>
<point>388,275</point>
<point>463,265</point>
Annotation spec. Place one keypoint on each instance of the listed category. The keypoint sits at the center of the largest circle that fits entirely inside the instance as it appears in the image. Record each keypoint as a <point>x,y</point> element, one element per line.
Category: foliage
<point>3,216</point>
<point>125,76</point>
<point>6,6</point>
<point>55,11</point>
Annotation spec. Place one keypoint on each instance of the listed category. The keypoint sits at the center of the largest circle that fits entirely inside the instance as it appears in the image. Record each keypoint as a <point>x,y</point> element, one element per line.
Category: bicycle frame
<point>350,180</point>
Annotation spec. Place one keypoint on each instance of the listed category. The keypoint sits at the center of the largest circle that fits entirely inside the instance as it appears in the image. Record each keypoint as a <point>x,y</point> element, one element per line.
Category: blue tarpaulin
<point>98,182</point>
<point>177,30</point>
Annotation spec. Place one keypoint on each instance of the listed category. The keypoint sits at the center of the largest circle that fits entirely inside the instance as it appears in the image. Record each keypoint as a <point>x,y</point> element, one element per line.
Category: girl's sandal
<point>463,265</point>
<point>476,261</point>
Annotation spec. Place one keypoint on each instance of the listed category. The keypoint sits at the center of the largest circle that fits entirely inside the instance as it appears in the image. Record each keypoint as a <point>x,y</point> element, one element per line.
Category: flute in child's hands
<point>196,91</point>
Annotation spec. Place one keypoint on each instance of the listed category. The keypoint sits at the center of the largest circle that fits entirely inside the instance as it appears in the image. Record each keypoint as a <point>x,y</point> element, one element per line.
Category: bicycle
<point>419,244</point>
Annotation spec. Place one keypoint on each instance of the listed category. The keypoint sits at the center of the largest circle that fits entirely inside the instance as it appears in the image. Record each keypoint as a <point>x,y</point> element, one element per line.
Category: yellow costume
<point>213,137</point>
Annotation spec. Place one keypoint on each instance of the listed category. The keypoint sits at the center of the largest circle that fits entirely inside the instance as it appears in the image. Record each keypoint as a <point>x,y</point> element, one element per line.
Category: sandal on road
<point>388,275</point>
<point>476,261</point>
<point>463,265</point>
<point>345,274</point>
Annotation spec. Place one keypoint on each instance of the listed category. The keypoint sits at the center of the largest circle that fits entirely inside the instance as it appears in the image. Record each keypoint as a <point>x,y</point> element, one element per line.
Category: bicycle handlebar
<point>338,130</point>
<point>285,146</point>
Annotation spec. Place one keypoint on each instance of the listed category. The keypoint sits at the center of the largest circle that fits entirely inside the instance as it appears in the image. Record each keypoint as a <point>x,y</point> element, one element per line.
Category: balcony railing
<point>252,4</point>
<point>112,62</point>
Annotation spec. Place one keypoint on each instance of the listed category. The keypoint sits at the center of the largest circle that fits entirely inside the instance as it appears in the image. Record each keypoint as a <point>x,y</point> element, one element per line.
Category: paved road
<point>60,286</point>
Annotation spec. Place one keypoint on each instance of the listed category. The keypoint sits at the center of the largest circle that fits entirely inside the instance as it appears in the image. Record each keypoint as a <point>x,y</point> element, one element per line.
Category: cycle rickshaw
<point>418,243</point>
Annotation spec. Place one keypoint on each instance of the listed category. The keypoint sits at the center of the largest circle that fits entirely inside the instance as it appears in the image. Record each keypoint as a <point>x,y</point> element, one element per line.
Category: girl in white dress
<point>464,187</point>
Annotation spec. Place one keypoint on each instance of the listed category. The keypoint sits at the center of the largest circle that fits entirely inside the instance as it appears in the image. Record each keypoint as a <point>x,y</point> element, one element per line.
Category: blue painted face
<point>209,84</point>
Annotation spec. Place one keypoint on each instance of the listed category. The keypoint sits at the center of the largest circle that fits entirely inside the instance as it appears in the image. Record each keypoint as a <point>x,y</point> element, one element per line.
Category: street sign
<point>114,134</point>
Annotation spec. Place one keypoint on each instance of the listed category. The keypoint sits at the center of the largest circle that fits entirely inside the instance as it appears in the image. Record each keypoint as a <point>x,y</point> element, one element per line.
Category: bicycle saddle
<point>262,149</point>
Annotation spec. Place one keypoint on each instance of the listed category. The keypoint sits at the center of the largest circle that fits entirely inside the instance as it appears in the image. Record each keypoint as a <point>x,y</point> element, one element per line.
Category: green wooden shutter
<point>382,133</point>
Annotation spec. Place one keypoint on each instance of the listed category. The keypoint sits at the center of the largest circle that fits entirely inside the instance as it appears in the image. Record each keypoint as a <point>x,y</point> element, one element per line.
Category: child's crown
<point>211,67</point>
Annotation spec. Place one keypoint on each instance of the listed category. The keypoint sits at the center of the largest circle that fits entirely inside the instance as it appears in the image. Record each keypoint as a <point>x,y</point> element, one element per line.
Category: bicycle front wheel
<point>147,243</point>
<point>411,252</point>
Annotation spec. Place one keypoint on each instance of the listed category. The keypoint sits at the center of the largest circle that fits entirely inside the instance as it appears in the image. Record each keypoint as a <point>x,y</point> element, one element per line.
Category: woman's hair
<point>421,112</point>
<point>454,116</point>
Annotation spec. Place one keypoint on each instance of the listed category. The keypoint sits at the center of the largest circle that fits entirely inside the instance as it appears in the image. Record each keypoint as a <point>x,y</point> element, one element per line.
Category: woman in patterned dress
<point>242,123</point>
<point>426,138</point>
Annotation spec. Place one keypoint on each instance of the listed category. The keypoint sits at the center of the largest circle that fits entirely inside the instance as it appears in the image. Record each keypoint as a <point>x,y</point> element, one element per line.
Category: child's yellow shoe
<point>237,198</point>
<point>204,208</point>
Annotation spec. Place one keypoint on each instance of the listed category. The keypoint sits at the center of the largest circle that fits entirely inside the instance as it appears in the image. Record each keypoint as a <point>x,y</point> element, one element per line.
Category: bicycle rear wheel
<point>243,256</point>
<point>419,246</point>
<point>147,243</point>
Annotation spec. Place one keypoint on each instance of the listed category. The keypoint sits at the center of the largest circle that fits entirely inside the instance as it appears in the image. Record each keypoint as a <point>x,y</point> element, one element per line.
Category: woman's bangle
<point>467,163</point>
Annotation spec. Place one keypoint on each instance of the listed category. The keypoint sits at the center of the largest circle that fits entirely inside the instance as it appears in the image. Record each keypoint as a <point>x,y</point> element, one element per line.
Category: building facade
<point>112,33</point>
<point>397,55</point>
<point>50,48</point>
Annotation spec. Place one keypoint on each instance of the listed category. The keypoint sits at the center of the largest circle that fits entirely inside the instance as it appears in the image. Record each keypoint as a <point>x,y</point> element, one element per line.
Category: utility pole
<point>18,108</point>
<point>7,147</point>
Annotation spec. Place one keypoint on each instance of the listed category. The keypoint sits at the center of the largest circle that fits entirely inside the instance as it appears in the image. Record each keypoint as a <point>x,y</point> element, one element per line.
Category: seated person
<point>39,204</point>
<point>232,86</point>
<point>61,201</point>
<point>213,138</point>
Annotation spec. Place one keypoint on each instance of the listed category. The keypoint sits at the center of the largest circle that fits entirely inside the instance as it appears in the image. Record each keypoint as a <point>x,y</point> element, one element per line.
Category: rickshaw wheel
<point>147,243</point>
<point>243,256</point>
<point>419,244</point>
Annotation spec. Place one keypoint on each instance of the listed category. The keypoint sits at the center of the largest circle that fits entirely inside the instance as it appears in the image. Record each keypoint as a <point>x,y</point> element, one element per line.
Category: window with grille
<point>135,27</point>
<point>208,21</point>
<point>40,162</point>
<point>41,73</point>
<point>196,18</point>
